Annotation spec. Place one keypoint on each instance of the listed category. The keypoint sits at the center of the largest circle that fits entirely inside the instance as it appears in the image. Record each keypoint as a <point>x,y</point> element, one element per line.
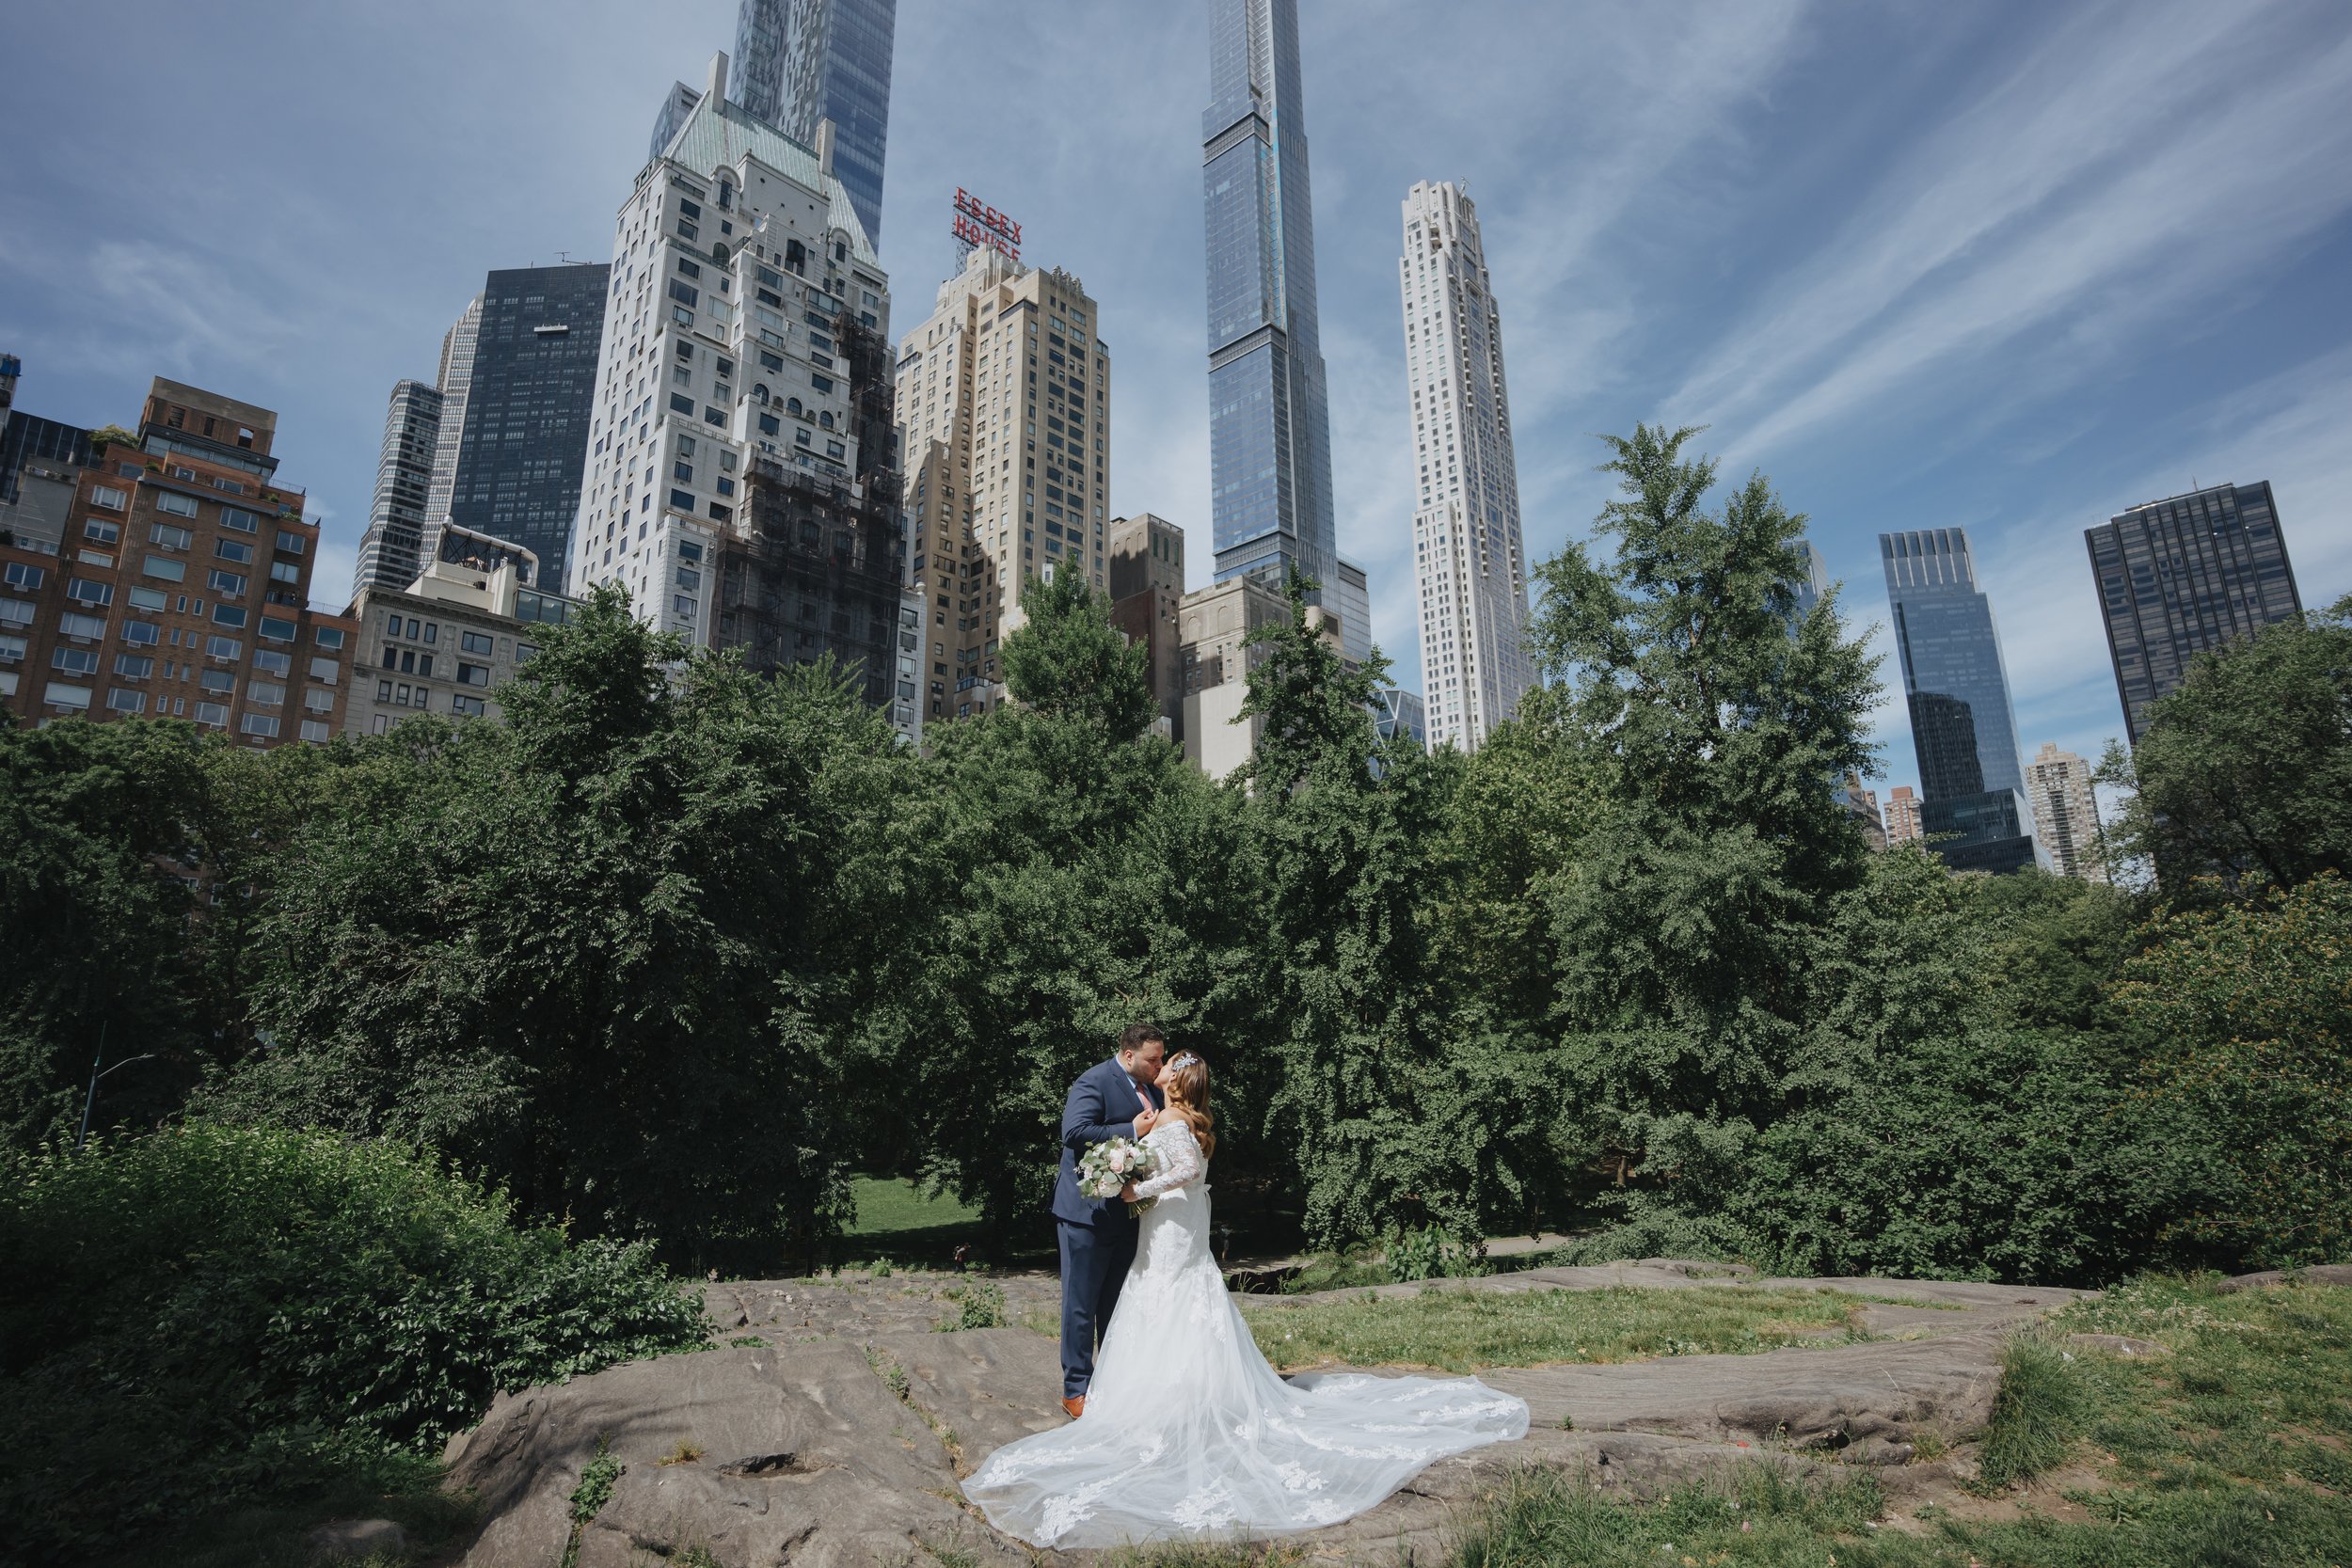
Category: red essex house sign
<point>977,224</point>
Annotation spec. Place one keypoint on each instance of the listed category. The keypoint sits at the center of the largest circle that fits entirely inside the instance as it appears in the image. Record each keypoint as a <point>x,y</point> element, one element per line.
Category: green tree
<point>2242,775</point>
<point>616,952</point>
<point>1710,719</point>
<point>1069,660</point>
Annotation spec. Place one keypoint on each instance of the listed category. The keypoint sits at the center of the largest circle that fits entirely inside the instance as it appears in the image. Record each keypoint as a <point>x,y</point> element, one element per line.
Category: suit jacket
<point>1102,1106</point>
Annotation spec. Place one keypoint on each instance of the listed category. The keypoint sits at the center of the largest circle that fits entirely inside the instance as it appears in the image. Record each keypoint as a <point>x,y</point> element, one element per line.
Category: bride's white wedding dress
<point>1187,1432</point>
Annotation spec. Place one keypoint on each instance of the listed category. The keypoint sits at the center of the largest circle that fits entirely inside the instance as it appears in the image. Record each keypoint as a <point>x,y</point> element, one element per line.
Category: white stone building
<point>737,261</point>
<point>1468,562</point>
<point>2066,812</point>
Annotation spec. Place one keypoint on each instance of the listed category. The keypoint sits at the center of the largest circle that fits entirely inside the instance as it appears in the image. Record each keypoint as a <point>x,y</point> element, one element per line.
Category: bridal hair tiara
<point>1185,1059</point>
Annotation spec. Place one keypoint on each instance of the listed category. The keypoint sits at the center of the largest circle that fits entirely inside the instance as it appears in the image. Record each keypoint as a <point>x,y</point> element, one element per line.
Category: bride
<point>1187,1431</point>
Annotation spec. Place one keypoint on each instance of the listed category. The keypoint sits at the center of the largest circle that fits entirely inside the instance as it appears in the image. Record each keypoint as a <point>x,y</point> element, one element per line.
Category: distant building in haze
<point>2181,576</point>
<point>1469,567</point>
<point>1269,419</point>
<point>2066,812</point>
<point>1147,593</point>
<point>391,551</point>
<point>1902,815</point>
<point>1861,805</point>
<point>1974,808</point>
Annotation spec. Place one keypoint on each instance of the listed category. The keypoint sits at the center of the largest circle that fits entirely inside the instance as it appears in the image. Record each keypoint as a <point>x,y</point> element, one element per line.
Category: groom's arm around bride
<point>1110,1100</point>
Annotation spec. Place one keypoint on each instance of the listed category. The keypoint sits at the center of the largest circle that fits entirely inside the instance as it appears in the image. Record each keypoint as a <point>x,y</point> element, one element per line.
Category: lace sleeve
<point>1180,1163</point>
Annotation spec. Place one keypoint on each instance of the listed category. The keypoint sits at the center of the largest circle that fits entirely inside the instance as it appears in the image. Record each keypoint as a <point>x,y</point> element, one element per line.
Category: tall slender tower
<point>391,551</point>
<point>2067,811</point>
<point>1269,425</point>
<point>1468,561</point>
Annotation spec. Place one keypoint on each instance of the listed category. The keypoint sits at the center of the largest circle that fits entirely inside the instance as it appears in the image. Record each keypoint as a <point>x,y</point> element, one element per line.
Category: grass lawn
<point>894,1220</point>
<point>1461,1331</point>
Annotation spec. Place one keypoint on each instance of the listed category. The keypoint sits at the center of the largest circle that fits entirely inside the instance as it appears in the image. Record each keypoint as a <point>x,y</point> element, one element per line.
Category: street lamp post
<point>91,1099</point>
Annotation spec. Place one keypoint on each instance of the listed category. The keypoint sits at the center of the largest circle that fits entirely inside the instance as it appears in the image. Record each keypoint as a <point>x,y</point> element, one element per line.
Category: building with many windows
<point>1973,808</point>
<point>392,548</point>
<point>1147,593</point>
<point>178,586</point>
<point>444,643</point>
<point>1003,404</point>
<point>2181,576</point>
<point>2066,812</point>
<point>1269,421</point>
<point>740,264</point>
<point>800,63</point>
<point>1470,565</point>
<point>1902,815</point>
<point>1396,712</point>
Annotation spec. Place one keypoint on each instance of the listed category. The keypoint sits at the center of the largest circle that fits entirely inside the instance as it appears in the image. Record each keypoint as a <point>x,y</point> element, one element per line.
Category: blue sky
<point>2009,267</point>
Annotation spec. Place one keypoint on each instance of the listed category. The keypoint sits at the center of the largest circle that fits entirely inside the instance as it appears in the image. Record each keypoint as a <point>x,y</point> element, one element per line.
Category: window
<point>227,616</point>
<point>137,667</point>
<point>714,415</point>
<point>243,522</point>
<point>58,694</point>
<point>88,626</point>
<point>770,426</point>
<point>283,631</point>
<point>267,693</point>
<point>229,583</point>
<point>315,731</point>
<point>685,293</point>
<point>526,652</point>
<point>27,578</point>
<point>469,707</point>
<point>164,567</point>
<point>324,670</point>
<point>476,642</point>
<point>126,701</point>
<point>228,485</point>
<point>231,549</point>
<point>683,606</point>
<point>74,661</point>
<point>328,636</point>
<point>289,542</point>
<point>688,550</point>
<point>681,404</point>
<point>169,535</point>
<point>176,504</point>
<point>835,449</point>
<point>105,532</point>
<point>682,473</point>
<point>682,501</point>
<point>215,714</point>
<point>217,680</point>
<point>111,500</point>
<point>15,612</point>
<point>230,648</point>
<point>262,724</point>
<point>472,674</point>
<point>12,649</point>
<point>147,598</point>
<point>688,577</point>
<point>318,701</point>
<point>269,663</point>
<point>287,572</point>
<point>688,269</point>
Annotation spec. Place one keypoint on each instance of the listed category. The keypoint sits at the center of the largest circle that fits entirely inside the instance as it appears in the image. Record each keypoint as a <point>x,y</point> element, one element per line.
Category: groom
<point>1111,1100</point>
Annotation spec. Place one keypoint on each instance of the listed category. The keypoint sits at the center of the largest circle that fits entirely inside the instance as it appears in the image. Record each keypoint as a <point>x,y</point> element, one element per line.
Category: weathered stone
<point>2323,1274</point>
<point>342,1540</point>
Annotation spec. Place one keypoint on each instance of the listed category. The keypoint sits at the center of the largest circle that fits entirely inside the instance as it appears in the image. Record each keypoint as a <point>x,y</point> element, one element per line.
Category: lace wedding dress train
<point>1188,1432</point>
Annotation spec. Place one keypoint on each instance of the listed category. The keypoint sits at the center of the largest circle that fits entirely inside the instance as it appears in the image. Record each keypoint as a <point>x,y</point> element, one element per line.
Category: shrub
<point>199,1315</point>
<point>2036,1415</point>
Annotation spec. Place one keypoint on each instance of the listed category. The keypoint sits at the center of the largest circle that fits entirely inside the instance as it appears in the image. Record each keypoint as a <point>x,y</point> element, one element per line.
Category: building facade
<point>1973,806</point>
<point>1862,805</point>
<point>2066,811</point>
<point>455,383</point>
<point>739,268</point>
<point>448,640</point>
<point>1902,815</point>
<point>1147,593</point>
<point>800,63</point>
<point>391,551</point>
<point>1269,421</point>
<point>179,587</point>
<point>1398,712</point>
<point>1002,400</point>
<point>1469,566</point>
<point>2185,575</point>
<point>1215,657</point>
<point>1351,601</point>
<point>521,421</point>
<point>41,466</point>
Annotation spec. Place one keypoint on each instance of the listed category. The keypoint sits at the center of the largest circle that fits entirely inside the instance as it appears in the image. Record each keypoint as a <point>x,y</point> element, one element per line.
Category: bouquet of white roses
<point>1106,1168</point>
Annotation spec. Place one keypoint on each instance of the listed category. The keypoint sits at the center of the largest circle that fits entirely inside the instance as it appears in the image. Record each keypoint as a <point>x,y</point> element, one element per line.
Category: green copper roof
<point>717,135</point>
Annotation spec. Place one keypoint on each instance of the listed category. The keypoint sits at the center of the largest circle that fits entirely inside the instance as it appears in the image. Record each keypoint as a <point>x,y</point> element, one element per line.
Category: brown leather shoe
<point>1075,1405</point>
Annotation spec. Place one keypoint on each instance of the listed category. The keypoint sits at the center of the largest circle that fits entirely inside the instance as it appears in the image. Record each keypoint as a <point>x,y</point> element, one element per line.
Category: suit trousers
<point>1094,1261</point>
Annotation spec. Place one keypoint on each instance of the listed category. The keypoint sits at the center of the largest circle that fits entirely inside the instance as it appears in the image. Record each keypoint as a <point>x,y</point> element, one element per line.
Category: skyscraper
<point>1004,410</point>
<point>1269,425</point>
<point>745,333</point>
<point>1902,815</point>
<point>522,432</point>
<point>391,551</point>
<point>799,63</point>
<point>1467,562</point>
<point>456,380</point>
<point>1147,593</point>
<point>2066,812</point>
<point>1962,725</point>
<point>2180,576</point>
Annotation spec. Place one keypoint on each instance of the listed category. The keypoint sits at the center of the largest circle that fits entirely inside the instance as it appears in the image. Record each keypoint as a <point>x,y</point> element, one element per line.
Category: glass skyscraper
<point>1971,779</point>
<point>523,439</point>
<point>2181,576</point>
<point>1269,425</point>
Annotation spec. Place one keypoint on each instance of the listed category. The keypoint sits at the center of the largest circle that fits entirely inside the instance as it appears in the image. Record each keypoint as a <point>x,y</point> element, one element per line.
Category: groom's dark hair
<point>1135,1034</point>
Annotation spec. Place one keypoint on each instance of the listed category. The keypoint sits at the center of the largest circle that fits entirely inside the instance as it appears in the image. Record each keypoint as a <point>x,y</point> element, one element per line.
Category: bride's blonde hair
<point>1188,1096</point>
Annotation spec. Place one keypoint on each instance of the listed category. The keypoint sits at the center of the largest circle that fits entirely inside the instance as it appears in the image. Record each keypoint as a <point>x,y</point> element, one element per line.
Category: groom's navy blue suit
<point>1098,1235</point>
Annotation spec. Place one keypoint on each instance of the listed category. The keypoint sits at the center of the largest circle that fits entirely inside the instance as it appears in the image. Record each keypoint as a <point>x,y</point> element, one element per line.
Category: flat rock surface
<point>841,1439</point>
